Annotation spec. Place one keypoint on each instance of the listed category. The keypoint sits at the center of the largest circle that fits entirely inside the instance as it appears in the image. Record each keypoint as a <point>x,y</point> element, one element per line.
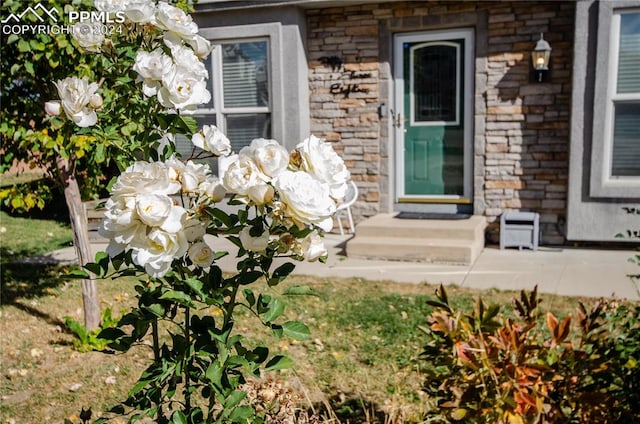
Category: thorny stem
<point>156,341</point>
<point>228,320</point>
<point>156,357</point>
<point>187,365</point>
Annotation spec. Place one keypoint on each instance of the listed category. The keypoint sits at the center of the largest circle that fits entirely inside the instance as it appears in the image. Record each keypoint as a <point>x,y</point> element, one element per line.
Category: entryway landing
<point>440,241</point>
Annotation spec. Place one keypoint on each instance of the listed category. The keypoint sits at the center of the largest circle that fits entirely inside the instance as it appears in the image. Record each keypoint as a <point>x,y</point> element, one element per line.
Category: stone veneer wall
<point>521,128</point>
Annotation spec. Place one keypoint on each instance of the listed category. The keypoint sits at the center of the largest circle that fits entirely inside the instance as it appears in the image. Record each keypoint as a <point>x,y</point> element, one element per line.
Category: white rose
<point>173,19</point>
<point>211,139</point>
<point>313,247</point>
<point>52,108</point>
<point>193,175</point>
<point>145,177</point>
<point>261,194</point>
<point>212,188</point>
<point>270,157</point>
<point>187,60</point>
<point>305,200</point>
<point>201,254</point>
<point>194,229</point>
<point>75,96</point>
<point>120,225</point>
<point>320,160</point>
<point>140,11</point>
<point>241,174</point>
<point>201,46</point>
<point>88,35</point>
<point>183,90</point>
<point>153,209</point>
<point>96,101</point>
<point>151,66</point>
<point>158,211</point>
<point>254,244</point>
<point>110,6</point>
<point>157,250</point>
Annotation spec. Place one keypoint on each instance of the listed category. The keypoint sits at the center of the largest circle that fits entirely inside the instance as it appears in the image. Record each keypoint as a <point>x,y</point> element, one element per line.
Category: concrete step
<point>385,225</point>
<point>414,250</point>
<point>431,241</point>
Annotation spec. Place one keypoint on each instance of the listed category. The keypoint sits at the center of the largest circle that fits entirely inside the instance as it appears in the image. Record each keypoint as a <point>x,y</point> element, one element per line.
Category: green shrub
<point>484,367</point>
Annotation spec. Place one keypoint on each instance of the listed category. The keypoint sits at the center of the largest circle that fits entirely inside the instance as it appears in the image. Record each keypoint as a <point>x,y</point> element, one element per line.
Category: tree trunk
<point>78,217</point>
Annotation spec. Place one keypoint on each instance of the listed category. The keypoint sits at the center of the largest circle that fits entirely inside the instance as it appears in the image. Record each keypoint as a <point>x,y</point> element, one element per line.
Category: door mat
<point>425,215</point>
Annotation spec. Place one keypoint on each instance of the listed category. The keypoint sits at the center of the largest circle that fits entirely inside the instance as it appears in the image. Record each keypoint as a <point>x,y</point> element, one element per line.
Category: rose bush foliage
<point>128,123</point>
<point>126,98</point>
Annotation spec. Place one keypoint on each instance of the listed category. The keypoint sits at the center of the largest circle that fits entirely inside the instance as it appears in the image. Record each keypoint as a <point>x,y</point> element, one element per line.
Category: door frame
<point>399,116</point>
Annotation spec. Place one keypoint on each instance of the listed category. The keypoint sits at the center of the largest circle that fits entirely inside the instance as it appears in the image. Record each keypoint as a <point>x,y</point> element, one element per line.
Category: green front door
<point>431,122</point>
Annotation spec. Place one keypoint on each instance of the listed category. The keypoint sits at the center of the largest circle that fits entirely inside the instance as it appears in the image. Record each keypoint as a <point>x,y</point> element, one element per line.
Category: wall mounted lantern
<point>540,59</point>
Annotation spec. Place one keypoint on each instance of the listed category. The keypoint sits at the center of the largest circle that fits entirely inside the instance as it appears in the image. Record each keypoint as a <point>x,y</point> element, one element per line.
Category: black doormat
<point>425,215</point>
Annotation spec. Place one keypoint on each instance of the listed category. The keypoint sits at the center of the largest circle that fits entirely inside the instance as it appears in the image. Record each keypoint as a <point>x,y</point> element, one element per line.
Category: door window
<point>435,75</point>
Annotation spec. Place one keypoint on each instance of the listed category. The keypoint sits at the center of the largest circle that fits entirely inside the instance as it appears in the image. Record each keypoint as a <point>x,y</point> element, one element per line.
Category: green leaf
<point>178,297</point>
<point>277,330</point>
<point>187,123</point>
<point>248,277</point>
<point>259,354</point>
<point>23,46</point>
<point>296,330</point>
<point>28,66</point>
<point>234,399</point>
<point>300,291</point>
<point>281,273</point>
<point>214,373</point>
<point>222,216</point>
<point>100,153</point>
<point>76,273</point>
<point>78,329</point>
<point>279,362</point>
<point>242,414</point>
<point>276,308</point>
<point>155,308</point>
<point>100,266</point>
<point>195,285</point>
<point>178,417</point>
<point>251,298</point>
<point>111,333</point>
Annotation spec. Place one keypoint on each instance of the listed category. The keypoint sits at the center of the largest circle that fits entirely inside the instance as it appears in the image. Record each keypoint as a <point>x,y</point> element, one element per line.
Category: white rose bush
<point>165,214</point>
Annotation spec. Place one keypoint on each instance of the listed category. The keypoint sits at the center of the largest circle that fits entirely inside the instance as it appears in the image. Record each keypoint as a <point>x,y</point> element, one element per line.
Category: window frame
<point>603,183</point>
<point>218,107</point>
<point>271,33</point>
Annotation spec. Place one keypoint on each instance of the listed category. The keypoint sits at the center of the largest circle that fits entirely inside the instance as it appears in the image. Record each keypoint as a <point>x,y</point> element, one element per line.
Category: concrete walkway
<point>564,271</point>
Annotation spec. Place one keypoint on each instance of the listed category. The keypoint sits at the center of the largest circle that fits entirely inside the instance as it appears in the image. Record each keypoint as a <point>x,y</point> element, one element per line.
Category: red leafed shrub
<point>485,367</point>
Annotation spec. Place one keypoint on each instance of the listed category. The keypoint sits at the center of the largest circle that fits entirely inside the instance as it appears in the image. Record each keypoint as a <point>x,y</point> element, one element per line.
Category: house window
<point>624,115</point>
<point>615,155</point>
<point>240,93</point>
<point>240,102</point>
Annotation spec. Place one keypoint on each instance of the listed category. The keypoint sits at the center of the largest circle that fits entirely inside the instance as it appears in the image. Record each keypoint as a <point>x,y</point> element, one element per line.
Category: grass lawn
<point>22,237</point>
<point>359,365</point>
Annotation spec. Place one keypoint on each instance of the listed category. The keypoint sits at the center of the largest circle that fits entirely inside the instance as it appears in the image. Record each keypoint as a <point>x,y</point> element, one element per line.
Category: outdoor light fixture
<point>540,59</point>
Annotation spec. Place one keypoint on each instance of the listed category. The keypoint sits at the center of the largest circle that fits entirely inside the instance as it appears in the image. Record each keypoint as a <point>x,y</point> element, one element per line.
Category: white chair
<point>349,199</point>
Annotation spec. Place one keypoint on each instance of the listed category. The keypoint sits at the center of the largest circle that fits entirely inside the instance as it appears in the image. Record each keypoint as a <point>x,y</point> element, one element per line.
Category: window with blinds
<point>240,95</point>
<point>625,160</point>
<point>245,91</point>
